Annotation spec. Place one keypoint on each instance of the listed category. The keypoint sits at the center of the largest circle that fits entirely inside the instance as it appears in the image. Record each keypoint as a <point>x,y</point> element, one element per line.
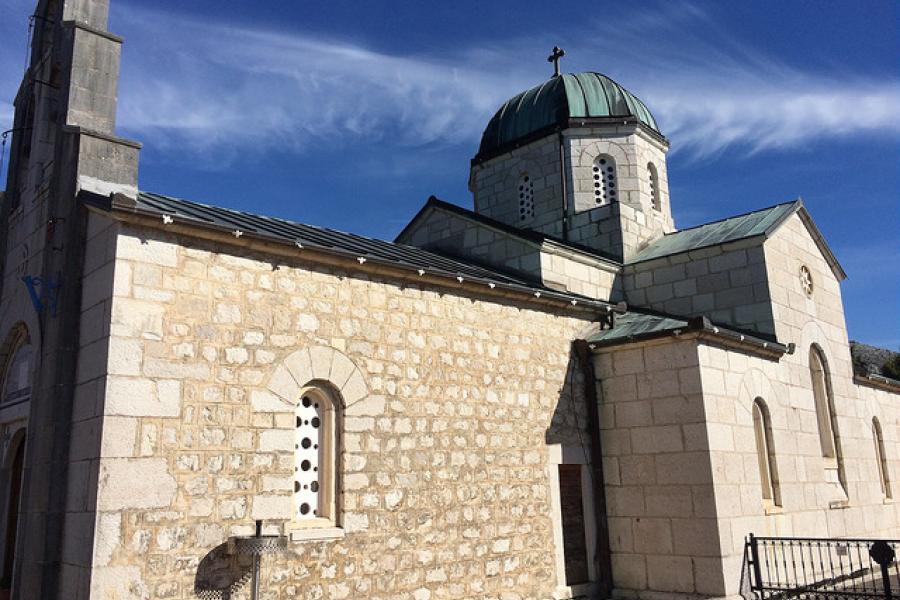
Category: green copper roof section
<point>636,326</point>
<point>633,325</point>
<point>757,223</point>
<point>569,96</point>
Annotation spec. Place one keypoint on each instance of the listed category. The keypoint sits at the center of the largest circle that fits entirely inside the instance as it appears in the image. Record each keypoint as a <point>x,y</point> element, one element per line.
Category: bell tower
<point>579,158</point>
<point>63,142</point>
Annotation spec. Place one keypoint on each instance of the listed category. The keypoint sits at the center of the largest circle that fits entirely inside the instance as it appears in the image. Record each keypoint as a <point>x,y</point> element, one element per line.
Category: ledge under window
<point>312,534</point>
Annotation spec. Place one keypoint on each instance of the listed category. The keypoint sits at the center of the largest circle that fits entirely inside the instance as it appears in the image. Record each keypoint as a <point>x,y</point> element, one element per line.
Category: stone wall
<point>619,228</point>
<point>731,382</point>
<point>494,184</point>
<point>728,283</point>
<point>625,226</point>
<point>662,521</point>
<point>444,465</point>
<point>551,264</point>
<point>682,476</point>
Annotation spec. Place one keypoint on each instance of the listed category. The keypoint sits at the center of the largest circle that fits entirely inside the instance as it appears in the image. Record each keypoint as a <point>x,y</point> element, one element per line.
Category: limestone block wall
<point>451,234</point>
<point>621,227</point>
<point>731,382</point>
<point>628,225</point>
<point>790,248</point>
<point>681,465</point>
<point>443,463</point>
<point>812,503</point>
<point>728,283</point>
<point>495,185</point>
<point>551,264</point>
<point>659,481</point>
<point>94,81</point>
<point>94,435</point>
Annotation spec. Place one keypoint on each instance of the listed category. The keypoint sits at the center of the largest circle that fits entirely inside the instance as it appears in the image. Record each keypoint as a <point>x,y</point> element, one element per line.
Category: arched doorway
<point>12,515</point>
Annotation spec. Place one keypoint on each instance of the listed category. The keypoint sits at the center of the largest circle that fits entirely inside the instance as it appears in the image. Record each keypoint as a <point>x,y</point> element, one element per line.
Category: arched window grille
<point>765,453</point>
<point>17,377</point>
<point>824,408</point>
<point>315,469</point>
<point>605,185</point>
<point>881,458</point>
<point>654,186</point>
<point>526,197</point>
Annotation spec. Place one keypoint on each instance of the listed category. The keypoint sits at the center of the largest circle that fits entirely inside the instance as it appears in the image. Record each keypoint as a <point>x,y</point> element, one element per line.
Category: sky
<point>350,114</point>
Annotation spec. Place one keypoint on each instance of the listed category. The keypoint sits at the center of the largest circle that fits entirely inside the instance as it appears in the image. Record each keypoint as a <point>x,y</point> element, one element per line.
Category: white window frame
<point>655,197</point>
<point>609,191</point>
<point>327,524</point>
<point>572,455</point>
<point>884,475</point>
<point>765,456</point>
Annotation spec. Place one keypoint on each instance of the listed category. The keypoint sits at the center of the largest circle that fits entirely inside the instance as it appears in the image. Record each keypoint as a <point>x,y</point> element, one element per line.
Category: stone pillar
<point>66,109</point>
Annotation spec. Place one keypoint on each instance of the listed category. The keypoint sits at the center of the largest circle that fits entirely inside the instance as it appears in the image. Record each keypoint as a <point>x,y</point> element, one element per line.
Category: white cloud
<point>219,91</point>
<point>220,88</point>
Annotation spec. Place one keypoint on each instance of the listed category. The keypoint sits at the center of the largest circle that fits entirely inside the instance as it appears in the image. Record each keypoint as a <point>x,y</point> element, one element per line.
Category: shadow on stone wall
<point>569,422</point>
<point>744,589</point>
<point>221,574</point>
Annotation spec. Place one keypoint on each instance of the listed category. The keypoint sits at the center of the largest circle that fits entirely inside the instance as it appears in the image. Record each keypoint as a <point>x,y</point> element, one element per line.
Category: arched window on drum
<point>604,177</point>
<point>315,469</point>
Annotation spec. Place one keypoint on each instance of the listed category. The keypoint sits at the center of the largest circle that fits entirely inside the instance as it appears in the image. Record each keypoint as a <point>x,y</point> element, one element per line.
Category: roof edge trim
<point>128,211</point>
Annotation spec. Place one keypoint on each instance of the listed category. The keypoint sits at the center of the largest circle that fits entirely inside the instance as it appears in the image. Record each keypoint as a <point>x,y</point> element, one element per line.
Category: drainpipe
<point>562,186</point>
<point>602,556</point>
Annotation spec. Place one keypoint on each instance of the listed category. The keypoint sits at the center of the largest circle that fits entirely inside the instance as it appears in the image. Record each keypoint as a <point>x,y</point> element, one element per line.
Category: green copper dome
<point>552,103</point>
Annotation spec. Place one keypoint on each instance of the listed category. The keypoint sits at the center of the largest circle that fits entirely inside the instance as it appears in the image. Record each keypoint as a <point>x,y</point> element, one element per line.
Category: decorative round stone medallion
<point>806,281</point>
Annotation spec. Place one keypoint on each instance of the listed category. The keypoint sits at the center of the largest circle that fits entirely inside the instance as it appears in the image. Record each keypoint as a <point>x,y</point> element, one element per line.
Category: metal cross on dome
<point>554,57</point>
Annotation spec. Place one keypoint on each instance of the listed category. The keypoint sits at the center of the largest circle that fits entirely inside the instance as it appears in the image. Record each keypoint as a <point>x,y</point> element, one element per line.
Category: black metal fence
<point>822,568</point>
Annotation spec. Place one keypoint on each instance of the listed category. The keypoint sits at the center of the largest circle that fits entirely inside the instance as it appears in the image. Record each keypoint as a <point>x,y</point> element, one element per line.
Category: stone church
<point>557,394</point>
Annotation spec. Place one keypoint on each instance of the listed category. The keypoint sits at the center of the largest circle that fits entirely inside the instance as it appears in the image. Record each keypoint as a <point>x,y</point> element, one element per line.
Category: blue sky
<point>350,114</point>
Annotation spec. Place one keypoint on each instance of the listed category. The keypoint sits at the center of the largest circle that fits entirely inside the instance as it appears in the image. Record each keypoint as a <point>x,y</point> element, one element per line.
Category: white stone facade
<point>448,403</point>
<point>413,434</point>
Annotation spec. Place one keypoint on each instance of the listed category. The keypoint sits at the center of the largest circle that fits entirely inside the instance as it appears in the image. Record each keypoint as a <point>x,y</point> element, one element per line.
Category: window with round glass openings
<point>314,464</point>
<point>604,175</point>
<point>526,197</point>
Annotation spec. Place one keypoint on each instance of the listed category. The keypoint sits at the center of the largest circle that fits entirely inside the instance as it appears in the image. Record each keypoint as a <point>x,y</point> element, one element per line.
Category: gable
<point>470,237</point>
<point>760,223</point>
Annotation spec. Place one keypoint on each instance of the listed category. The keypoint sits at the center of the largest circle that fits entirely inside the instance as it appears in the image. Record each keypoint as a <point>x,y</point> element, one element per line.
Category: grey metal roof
<point>757,223</point>
<point>326,240</point>
<point>638,324</point>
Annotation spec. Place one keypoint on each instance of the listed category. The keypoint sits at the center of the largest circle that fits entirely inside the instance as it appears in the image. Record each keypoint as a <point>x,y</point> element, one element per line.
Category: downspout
<point>562,186</point>
<point>602,555</point>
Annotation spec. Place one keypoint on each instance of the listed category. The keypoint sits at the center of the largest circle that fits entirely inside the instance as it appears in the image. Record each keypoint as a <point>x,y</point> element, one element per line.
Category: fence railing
<point>822,568</point>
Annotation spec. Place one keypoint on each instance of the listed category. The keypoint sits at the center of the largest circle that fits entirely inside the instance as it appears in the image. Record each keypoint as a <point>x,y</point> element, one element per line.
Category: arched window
<point>17,377</point>
<point>526,197</point>
<point>881,459</point>
<point>765,454</point>
<point>605,190</point>
<point>824,408</point>
<point>315,465</point>
<point>654,186</point>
